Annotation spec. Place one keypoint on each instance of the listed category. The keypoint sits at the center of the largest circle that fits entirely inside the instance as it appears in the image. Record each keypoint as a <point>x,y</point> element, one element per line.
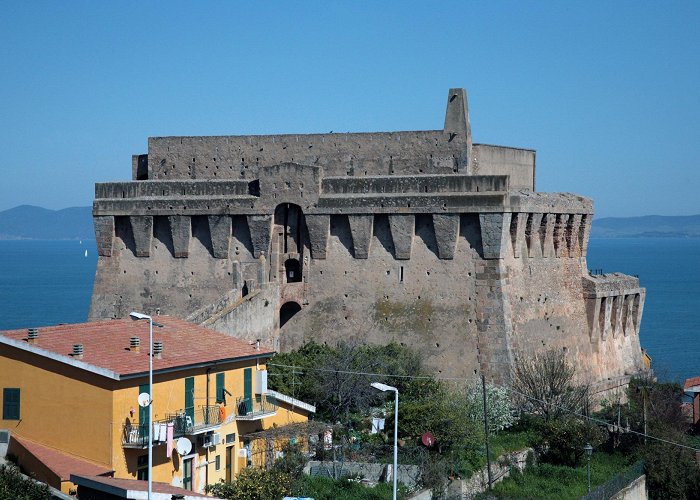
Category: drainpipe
<point>206,470</point>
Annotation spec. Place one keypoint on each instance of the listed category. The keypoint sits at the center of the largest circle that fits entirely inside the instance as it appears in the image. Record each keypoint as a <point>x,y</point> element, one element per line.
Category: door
<point>189,400</point>
<point>229,463</point>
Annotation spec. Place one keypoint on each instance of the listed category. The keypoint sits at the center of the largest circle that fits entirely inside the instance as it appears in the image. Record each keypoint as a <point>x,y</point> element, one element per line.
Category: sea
<point>50,282</point>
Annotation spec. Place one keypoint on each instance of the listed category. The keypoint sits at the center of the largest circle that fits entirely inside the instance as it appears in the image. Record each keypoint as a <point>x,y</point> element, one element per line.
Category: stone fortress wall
<point>419,237</point>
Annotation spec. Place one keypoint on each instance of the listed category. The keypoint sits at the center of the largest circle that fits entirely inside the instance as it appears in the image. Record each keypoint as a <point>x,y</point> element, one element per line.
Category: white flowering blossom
<point>498,406</point>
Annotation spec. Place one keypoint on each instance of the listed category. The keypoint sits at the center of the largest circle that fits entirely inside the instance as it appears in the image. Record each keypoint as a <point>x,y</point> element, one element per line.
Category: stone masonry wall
<point>416,237</point>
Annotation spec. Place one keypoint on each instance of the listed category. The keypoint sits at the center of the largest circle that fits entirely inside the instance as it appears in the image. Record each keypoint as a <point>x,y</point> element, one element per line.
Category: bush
<point>14,485</point>
<point>254,484</point>
<point>566,437</point>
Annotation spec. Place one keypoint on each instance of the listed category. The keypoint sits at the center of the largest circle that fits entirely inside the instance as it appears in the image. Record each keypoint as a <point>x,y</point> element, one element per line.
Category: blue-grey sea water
<point>50,282</point>
<point>45,282</point>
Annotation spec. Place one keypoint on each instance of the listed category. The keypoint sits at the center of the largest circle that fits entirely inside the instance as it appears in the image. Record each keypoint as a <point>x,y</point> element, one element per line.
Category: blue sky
<point>607,92</point>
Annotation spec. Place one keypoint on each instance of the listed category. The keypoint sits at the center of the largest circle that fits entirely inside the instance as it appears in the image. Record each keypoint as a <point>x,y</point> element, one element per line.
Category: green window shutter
<point>10,404</point>
<point>143,411</point>
<point>189,398</point>
<point>248,384</point>
<point>220,384</point>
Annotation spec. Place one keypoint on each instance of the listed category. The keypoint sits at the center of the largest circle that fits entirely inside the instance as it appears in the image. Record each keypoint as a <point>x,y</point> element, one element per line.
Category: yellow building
<point>70,398</point>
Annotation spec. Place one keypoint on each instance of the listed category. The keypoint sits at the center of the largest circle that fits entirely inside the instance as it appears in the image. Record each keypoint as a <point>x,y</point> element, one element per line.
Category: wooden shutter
<point>10,404</point>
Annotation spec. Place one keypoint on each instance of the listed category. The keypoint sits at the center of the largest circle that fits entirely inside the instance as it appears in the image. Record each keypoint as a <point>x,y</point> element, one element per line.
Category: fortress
<point>419,237</point>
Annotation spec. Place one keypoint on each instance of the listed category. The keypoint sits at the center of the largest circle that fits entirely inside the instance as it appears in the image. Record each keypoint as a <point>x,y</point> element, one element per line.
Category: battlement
<point>418,237</point>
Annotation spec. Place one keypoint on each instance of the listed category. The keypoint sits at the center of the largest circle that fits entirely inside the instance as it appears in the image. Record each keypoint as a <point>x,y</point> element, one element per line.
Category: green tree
<point>15,486</point>
<point>566,437</point>
<point>334,378</point>
<point>253,483</point>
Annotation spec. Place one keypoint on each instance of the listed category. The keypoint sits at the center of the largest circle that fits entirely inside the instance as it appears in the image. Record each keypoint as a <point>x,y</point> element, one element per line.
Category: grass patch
<point>558,481</point>
<point>509,441</point>
<point>324,488</point>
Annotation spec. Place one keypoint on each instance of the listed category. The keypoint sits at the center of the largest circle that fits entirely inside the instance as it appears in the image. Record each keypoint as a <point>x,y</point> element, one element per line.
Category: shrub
<point>14,485</point>
<point>254,484</point>
<point>566,437</point>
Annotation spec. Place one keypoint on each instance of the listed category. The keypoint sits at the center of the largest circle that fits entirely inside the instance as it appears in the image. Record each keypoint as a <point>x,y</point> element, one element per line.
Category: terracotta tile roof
<point>125,485</point>
<point>690,383</point>
<point>59,463</point>
<point>106,344</point>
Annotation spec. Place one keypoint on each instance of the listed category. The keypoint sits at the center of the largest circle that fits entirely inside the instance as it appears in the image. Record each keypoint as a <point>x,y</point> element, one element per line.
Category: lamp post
<point>139,316</point>
<point>385,388</point>
<point>589,451</point>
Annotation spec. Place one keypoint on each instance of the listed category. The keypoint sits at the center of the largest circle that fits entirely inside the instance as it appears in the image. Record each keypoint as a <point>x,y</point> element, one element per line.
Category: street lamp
<point>589,451</point>
<point>385,388</point>
<point>138,316</point>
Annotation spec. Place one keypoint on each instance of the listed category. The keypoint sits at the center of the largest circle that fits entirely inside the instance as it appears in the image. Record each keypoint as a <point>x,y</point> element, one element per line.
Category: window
<point>187,474</point>
<point>142,468</point>
<point>10,404</point>
<point>220,387</point>
<point>217,462</point>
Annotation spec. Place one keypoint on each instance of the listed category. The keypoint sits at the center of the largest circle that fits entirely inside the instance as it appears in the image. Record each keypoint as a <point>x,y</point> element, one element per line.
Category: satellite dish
<point>144,399</point>
<point>184,446</point>
<point>427,439</point>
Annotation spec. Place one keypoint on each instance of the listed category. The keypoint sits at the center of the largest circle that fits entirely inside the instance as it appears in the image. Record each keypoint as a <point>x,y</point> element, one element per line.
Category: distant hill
<point>36,223</point>
<point>648,226</point>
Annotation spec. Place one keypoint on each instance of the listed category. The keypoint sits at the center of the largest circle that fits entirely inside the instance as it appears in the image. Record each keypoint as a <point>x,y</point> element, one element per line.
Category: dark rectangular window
<point>187,474</point>
<point>142,468</point>
<point>10,404</point>
<point>220,385</point>
<point>217,462</point>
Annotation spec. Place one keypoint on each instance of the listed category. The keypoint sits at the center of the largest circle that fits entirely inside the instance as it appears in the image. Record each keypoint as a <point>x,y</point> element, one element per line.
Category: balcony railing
<point>135,435</point>
<point>193,422</point>
<point>255,408</point>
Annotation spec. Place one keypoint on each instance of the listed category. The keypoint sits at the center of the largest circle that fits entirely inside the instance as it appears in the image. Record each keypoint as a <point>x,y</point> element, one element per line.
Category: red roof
<point>106,344</point>
<point>690,383</point>
<point>59,463</point>
<point>100,482</point>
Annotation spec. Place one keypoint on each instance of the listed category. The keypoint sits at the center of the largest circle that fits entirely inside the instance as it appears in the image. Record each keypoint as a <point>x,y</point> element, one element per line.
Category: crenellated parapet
<point>417,237</point>
<point>518,223</point>
<point>614,305</point>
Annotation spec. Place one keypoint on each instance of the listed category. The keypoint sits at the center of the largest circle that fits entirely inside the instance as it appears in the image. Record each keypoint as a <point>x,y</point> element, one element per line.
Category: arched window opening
<point>292,269</point>
<point>287,311</point>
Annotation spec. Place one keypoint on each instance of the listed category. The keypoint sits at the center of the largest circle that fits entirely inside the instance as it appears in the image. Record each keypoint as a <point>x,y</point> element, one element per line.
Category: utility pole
<point>486,430</point>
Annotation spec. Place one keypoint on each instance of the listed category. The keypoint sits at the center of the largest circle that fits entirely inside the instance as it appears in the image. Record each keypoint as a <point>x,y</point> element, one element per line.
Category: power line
<point>508,389</point>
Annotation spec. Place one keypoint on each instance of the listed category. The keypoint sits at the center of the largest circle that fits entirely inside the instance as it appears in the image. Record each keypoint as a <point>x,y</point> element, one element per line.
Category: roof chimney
<point>158,349</point>
<point>33,335</point>
<point>257,344</point>
<point>78,351</point>
<point>135,344</point>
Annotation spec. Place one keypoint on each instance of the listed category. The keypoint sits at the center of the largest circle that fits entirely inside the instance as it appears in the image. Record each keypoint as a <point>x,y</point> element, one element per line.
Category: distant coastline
<point>648,226</point>
<point>28,222</point>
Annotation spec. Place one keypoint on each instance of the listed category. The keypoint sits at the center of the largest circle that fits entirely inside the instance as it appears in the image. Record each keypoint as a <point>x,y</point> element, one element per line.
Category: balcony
<point>205,418</point>
<point>255,408</point>
<point>135,435</point>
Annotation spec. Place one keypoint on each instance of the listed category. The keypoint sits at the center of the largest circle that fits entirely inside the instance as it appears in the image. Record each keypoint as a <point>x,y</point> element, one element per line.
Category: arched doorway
<point>287,244</point>
<point>292,270</point>
<point>287,311</point>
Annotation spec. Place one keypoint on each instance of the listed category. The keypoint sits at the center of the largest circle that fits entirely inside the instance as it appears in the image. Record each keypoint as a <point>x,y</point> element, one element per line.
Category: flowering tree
<point>499,406</point>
